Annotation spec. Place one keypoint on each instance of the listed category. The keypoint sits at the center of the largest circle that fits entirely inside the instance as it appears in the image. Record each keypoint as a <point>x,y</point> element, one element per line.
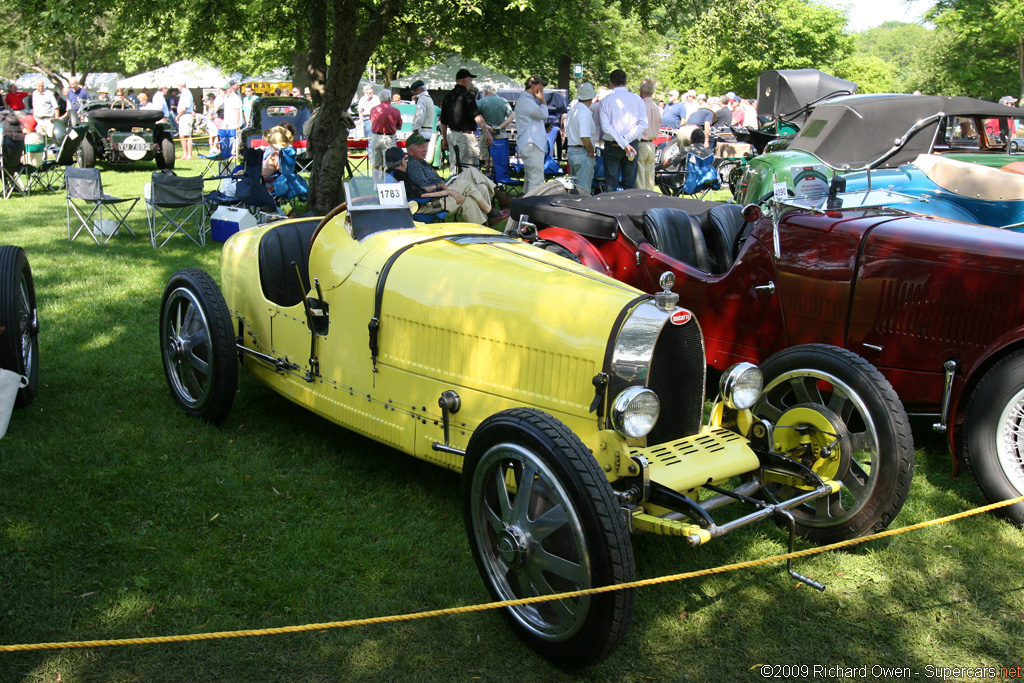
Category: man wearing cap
<point>459,120</point>
<point>423,117</point>
<point>579,134</point>
<point>674,112</point>
<point>497,113</point>
<point>385,120</point>
<point>185,118</point>
<point>623,119</point>
<point>531,138</point>
<point>690,102</point>
<point>470,183</point>
<point>702,117</point>
<point>103,94</point>
<point>365,105</point>
<point>738,113</point>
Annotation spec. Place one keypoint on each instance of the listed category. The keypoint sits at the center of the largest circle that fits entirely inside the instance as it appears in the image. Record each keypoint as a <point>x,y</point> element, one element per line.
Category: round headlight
<point>741,385</point>
<point>635,412</point>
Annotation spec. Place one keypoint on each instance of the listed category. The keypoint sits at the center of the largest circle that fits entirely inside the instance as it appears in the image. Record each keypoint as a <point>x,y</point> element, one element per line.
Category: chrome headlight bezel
<point>635,411</point>
<point>741,386</point>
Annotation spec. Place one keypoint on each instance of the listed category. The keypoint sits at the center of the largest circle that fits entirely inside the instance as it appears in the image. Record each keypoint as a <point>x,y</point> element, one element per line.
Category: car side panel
<point>929,291</point>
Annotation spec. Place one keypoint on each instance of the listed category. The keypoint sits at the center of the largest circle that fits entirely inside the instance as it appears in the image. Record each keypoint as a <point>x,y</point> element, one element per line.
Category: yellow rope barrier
<point>509,603</point>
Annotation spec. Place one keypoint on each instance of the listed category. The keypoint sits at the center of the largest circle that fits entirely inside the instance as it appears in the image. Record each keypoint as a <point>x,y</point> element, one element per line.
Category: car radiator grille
<point>677,377</point>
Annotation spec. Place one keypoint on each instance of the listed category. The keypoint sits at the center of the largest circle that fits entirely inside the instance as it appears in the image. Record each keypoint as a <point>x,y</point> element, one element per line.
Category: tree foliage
<point>903,47</point>
<point>732,43</point>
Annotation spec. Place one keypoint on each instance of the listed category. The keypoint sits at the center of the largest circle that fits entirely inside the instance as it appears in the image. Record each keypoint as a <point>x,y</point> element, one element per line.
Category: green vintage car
<point>571,404</point>
<point>123,136</point>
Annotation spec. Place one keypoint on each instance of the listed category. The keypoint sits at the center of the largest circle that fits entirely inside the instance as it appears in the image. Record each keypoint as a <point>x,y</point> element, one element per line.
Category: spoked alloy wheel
<point>837,414</point>
<point>542,519</point>
<point>993,439</point>
<point>19,338</point>
<point>197,346</point>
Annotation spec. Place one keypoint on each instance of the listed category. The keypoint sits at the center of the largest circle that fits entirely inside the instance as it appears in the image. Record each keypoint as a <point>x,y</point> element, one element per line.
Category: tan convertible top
<point>971,180</point>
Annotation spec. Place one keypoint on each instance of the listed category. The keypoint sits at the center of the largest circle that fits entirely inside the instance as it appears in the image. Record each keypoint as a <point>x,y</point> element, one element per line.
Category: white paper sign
<point>780,191</point>
<point>391,194</point>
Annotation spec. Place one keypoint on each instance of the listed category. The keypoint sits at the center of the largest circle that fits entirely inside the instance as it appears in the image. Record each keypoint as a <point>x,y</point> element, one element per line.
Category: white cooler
<point>227,220</point>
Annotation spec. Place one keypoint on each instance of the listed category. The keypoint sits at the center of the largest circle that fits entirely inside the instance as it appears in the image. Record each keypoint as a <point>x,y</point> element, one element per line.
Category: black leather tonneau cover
<point>602,216</point>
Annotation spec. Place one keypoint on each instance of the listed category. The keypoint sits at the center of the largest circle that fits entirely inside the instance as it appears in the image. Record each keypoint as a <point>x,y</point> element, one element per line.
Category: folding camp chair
<point>501,169</point>
<point>51,173</point>
<point>224,156</point>
<point>172,203</point>
<point>85,185</point>
<point>15,177</point>
<point>701,175</point>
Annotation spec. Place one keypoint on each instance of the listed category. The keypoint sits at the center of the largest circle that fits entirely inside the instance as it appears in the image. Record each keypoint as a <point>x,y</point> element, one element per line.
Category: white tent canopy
<point>442,76</point>
<point>194,75</point>
<point>92,82</point>
<point>282,74</point>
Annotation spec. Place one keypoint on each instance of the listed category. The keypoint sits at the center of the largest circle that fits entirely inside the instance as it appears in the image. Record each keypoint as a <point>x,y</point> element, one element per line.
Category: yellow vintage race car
<point>572,404</point>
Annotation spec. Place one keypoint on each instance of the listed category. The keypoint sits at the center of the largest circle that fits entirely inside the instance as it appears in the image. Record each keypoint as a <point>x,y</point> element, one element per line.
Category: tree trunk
<point>300,55</point>
<point>328,140</point>
<point>316,59</point>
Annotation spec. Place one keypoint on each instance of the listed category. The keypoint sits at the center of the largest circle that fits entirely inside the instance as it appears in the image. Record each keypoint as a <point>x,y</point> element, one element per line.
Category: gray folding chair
<point>173,203</point>
<point>85,186</point>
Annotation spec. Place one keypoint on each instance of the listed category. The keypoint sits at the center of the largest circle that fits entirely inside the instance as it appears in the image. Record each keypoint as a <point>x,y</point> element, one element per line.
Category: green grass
<point>120,517</point>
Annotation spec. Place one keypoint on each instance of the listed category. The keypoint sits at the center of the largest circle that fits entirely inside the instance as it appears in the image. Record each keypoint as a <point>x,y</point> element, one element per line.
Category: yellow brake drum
<point>815,436</point>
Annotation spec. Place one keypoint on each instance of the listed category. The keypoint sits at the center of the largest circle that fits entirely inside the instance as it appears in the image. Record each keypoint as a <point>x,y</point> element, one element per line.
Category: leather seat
<point>280,246</point>
<point>674,233</point>
<point>721,232</point>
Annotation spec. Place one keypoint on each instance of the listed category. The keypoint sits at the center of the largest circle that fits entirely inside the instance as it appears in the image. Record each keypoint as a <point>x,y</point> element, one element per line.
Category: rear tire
<point>86,153</point>
<point>993,442</point>
<point>165,155</point>
<point>198,346</point>
<point>19,323</point>
<point>542,519</point>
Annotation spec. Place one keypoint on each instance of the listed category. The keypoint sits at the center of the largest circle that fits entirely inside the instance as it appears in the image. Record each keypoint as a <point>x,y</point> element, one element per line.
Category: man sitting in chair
<point>469,196</point>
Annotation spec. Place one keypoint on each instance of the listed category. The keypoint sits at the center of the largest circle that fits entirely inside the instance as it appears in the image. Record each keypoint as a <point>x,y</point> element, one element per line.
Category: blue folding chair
<point>223,158</point>
<point>701,175</point>
<point>501,169</point>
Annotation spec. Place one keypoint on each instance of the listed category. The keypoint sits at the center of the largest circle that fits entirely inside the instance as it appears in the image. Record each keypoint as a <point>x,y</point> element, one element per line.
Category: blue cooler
<point>227,220</point>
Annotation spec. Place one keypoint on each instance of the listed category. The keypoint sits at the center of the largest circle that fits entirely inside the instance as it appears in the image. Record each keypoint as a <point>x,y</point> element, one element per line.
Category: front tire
<point>542,519</point>
<point>197,346</point>
<point>875,460</point>
<point>993,439</point>
<point>19,326</point>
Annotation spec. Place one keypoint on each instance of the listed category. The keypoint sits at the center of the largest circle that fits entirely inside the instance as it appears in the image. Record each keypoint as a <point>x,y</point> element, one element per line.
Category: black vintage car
<point>121,136</point>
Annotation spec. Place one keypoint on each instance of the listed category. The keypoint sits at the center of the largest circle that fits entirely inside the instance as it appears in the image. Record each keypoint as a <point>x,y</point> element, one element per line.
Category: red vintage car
<point>935,305</point>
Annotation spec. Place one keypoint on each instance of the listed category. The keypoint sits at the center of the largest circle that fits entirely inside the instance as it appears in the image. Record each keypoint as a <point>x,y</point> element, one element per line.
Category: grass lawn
<point>120,517</point>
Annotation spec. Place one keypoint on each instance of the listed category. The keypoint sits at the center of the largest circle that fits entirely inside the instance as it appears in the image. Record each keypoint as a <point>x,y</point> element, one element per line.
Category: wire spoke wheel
<point>835,413</point>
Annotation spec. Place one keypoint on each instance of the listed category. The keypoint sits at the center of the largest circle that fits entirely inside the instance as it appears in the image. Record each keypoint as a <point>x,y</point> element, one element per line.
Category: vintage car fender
<point>585,251</point>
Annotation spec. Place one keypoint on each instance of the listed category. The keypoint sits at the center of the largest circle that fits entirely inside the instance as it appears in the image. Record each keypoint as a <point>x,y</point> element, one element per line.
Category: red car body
<point>907,292</point>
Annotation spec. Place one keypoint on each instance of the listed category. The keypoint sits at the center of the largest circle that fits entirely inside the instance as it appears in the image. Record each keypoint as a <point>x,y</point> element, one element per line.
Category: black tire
<point>992,442</point>
<point>198,346</point>
<point>736,180</point>
<point>165,155</point>
<point>558,249</point>
<point>725,172</point>
<point>564,477</point>
<point>86,153</point>
<point>19,322</point>
<point>876,457</point>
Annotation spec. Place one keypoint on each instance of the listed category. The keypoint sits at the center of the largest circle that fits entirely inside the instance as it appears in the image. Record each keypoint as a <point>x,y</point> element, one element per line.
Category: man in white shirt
<point>645,153</point>
<point>363,108</point>
<point>579,134</point>
<point>44,108</point>
<point>623,119</point>
<point>423,117</point>
<point>233,115</point>
<point>531,141</point>
<point>186,116</point>
<point>160,99</point>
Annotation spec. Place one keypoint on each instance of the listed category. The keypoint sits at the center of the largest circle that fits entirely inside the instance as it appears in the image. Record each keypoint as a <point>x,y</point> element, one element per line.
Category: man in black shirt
<point>459,120</point>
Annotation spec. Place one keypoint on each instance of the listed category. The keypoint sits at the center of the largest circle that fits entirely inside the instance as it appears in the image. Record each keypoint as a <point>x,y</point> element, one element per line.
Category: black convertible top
<point>601,217</point>
<point>112,117</point>
<point>785,93</point>
<point>858,129</point>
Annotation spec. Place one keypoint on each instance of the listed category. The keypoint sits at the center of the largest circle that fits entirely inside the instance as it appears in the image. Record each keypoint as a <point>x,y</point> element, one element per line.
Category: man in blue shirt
<point>674,112</point>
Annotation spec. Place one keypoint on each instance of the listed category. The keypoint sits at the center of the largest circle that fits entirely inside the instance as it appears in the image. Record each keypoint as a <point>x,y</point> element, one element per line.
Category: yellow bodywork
<point>503,324</point>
